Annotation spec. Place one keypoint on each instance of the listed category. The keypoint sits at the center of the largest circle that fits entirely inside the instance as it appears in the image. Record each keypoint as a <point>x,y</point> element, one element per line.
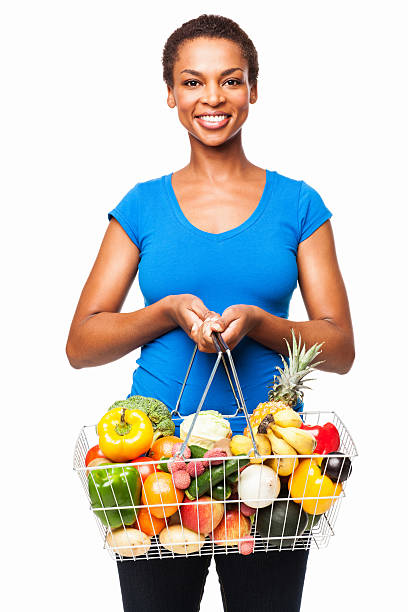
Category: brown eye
<point>234,81</point>
<point>190,81</point>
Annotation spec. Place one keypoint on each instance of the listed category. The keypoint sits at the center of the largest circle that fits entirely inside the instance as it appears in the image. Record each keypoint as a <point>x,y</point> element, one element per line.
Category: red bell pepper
<point>327,438</point>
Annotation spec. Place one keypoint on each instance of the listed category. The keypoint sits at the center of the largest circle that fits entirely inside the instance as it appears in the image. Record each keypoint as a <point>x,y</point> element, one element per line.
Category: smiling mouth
<point>213,121</point>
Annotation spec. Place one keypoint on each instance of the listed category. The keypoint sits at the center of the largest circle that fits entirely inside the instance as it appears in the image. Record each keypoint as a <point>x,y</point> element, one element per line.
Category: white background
<point>84,117</point>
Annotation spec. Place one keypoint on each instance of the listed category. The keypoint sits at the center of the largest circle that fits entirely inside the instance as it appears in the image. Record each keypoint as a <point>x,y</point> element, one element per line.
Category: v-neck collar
<point>229,233</point>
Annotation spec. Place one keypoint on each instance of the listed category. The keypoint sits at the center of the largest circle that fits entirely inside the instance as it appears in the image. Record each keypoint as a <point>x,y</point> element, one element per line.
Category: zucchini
<point>233,478</point>
<point>312,520</point>
<point>202,484</point>
<point>219,492</point>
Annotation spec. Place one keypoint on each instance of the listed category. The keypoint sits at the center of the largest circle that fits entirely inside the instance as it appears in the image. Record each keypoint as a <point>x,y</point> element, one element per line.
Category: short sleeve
<point>127,214</point>
<point>312,211</point>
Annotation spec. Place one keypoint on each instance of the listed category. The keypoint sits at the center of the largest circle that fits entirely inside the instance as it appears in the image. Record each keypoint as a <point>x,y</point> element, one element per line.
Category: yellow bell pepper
<point>307,486</point>
<point>124,434</point>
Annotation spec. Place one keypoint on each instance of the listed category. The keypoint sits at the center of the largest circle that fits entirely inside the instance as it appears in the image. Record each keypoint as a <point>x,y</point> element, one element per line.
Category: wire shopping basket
<point>238,503</point>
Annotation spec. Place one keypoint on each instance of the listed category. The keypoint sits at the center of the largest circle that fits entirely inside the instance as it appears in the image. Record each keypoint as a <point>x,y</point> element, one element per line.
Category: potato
<point>181,540</point>
<point>133,541</point>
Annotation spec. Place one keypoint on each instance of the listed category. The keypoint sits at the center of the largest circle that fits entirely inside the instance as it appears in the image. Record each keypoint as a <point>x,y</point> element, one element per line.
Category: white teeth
<point>213,118</point>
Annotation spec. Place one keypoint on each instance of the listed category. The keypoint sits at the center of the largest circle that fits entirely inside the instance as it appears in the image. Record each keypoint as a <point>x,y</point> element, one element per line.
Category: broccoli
<point>157,412</point>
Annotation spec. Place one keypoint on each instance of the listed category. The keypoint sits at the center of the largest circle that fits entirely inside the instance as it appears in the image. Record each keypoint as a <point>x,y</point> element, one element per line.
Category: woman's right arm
<point>99,332</point>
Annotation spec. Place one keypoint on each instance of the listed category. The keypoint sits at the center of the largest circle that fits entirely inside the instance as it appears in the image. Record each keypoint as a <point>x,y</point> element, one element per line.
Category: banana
<point>279,446</point>
<point>302,441</point>
<point>284,466</point>
<point>287,418</point>
<point>263,446</point>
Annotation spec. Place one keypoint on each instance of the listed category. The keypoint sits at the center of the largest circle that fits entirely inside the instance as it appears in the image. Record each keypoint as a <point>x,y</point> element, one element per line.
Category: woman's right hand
<point>191,314</point>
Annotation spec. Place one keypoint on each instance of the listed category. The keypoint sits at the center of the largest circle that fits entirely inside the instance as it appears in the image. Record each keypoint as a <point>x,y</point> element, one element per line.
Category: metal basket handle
<point>221,347</point>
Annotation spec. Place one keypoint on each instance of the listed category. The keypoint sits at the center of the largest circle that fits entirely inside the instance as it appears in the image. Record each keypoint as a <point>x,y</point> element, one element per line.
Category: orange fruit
<point>161,495</point>
<point>148,523</point>
<point>163,447</point>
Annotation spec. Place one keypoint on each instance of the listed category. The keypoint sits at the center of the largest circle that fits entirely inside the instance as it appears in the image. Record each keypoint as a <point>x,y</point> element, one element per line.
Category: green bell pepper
<point>115,486</point>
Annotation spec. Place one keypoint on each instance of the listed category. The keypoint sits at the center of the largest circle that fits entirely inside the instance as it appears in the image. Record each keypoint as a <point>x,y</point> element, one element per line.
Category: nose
<point>212,95</point>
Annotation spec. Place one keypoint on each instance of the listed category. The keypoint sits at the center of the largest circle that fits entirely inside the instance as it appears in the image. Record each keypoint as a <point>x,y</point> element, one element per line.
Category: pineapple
<point>288,387</point>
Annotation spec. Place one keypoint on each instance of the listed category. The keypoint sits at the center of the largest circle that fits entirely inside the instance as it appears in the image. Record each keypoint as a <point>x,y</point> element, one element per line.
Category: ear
<point>253,96</point>
<point>171,102</point>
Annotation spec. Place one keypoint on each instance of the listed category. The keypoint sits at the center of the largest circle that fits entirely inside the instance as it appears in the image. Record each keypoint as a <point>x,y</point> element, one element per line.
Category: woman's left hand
<point>236,322</point>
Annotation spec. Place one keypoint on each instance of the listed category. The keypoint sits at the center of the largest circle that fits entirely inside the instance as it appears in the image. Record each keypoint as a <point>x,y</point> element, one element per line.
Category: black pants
<point>261,582</point>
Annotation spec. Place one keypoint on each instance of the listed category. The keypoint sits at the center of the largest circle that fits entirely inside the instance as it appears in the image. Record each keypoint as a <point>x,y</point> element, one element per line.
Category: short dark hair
<point>209,26</point>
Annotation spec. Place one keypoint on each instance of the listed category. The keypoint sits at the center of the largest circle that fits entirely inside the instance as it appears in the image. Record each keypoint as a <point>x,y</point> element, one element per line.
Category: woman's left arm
<point>326,302</point>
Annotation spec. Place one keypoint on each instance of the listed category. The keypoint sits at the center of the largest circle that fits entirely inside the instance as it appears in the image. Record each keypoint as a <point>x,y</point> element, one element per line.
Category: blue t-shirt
<point>254,263</point>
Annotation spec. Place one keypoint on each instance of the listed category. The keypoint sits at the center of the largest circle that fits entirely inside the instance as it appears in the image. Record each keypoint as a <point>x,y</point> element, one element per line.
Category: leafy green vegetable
<point>157,412</point>
<point>209,427</point>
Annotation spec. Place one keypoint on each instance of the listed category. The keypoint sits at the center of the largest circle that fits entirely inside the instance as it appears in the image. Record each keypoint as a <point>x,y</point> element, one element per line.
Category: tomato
<point>148,523</point>
<point>144,468</point>
<point>163,447</point>
<point>93,453</point>
<point>161,495</point>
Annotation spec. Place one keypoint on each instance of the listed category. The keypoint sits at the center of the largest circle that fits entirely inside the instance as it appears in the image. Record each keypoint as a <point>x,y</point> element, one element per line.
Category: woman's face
<point>211,78</point>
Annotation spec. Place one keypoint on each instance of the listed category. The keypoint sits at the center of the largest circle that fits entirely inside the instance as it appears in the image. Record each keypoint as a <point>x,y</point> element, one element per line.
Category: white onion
<point>258,486</point>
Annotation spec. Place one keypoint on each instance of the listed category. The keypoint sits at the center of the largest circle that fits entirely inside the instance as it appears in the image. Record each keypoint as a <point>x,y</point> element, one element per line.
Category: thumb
<point>229,315</point>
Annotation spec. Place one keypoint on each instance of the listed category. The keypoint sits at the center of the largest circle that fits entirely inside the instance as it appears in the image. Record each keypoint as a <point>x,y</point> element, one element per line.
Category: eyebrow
<point>225,73</point>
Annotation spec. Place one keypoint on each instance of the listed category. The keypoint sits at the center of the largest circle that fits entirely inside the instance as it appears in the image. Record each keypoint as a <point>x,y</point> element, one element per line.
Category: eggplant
<point>337,469</point>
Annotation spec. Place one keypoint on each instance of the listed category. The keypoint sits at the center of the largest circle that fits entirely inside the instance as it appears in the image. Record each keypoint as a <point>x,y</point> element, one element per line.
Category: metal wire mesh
<point>221,534</point>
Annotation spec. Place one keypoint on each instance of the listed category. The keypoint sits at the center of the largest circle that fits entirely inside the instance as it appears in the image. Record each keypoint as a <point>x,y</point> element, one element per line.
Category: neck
<point>219,163</point>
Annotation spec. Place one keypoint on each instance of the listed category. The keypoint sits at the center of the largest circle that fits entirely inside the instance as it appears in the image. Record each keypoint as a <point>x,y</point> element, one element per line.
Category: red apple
<point>234,526</point>
<point>201,515</point>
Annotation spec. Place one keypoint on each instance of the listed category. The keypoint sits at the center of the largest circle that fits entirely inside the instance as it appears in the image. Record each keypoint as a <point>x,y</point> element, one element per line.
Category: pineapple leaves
<point>289,385</point>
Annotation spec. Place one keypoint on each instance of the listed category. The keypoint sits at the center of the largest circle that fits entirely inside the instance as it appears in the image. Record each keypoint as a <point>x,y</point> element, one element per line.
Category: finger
<point>200,308</point>
<point>230,314</point>
<point>217,321</point>
<point>194,328</point>
<point>191,318</point>
<point>212,316</point>
<point>209,326</point>
<point>232,335</point>
<point>207,338</point>
<point>195,331</point>
<point>197,335</point>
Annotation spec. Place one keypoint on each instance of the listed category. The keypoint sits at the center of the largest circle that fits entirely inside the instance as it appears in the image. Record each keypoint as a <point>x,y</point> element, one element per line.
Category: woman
<point>219,245</point>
